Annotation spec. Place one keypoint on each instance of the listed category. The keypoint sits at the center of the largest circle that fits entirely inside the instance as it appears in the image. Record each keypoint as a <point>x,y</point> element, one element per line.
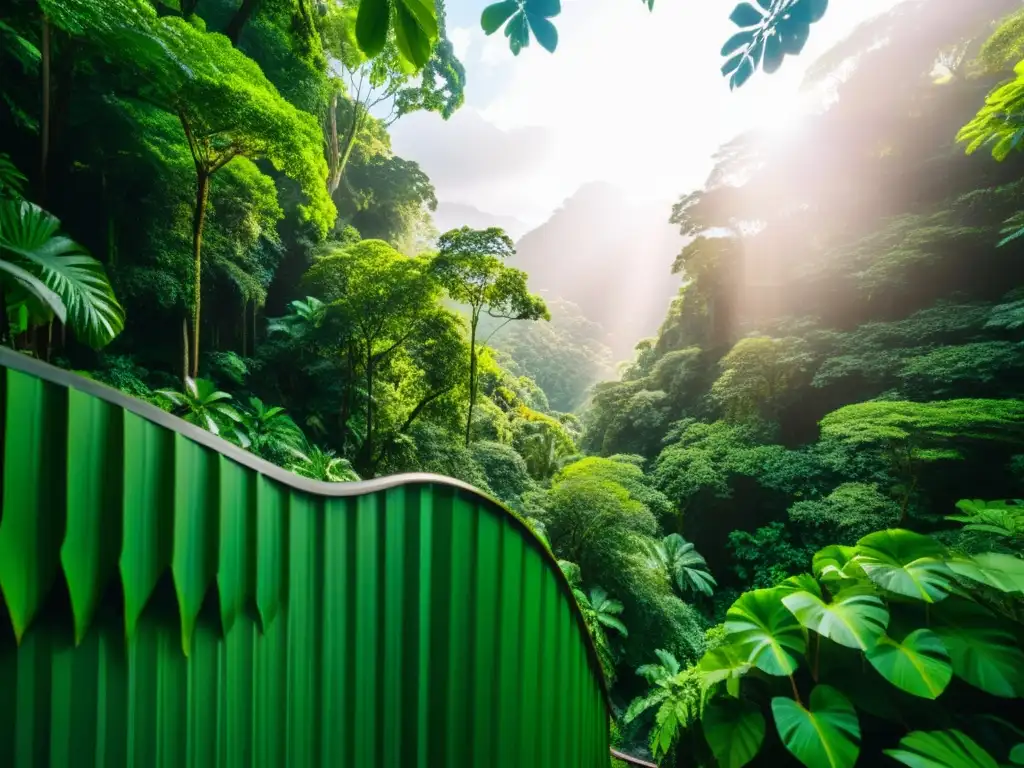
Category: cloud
<point>630,97</point>
<point>472,161</point>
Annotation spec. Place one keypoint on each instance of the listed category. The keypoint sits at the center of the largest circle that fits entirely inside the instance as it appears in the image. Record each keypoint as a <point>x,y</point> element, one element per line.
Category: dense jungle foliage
<point>789,522</point>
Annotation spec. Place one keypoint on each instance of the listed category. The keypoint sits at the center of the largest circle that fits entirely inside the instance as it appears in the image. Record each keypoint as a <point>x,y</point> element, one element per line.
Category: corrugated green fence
<point>174,601</point>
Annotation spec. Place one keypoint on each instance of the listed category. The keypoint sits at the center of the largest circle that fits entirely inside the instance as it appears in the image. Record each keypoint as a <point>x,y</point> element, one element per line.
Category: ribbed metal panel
<point>173,602</point>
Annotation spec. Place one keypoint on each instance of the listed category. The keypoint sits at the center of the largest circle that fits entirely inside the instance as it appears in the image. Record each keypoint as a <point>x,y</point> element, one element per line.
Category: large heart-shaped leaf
<point>765,632</point>
<point>941,749</point>
<point>855,617</point>
<point>826,736</point>
<point>734,729</point>
<point>983,652</point>
<point>920,665</point>
<point>906,563</point>
<point>999,571</point>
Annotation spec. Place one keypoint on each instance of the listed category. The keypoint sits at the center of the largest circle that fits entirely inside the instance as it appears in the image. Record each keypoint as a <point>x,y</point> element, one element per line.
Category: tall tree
<point>384,298</point>
<point>229,109</point>
<point>471,266</point>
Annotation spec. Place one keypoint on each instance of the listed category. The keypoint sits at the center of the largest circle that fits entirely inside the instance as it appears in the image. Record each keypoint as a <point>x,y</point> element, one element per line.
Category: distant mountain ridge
<point>455,215</point>
<point>610,257</point>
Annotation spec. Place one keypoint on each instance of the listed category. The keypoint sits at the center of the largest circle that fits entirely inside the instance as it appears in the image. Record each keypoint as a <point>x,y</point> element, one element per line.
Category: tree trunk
<point>245,324</point>
<point>184,347</point>
<point>333,151</point>
<point>44,154</point>
<point>241,17</point>
<point>5,323</point>
<point>338,165</point>
<point>472,378</point>
<point>367,449</point>
<point>202,190</point>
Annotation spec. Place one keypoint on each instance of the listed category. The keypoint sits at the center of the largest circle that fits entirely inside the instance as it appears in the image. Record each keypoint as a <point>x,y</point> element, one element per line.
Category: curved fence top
<point>66,379</point>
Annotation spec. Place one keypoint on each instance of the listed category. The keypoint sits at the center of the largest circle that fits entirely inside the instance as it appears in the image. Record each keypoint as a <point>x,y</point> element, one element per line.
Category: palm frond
<point>30,234</point>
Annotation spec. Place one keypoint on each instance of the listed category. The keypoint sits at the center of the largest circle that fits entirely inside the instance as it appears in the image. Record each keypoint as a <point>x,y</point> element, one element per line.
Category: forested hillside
<point>799,489</point>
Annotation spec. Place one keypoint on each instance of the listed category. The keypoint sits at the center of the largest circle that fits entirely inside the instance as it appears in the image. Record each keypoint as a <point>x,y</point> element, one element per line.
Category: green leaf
<point>855,618</point>
<point>941,749</point>
<point>746,15</point>
<point>996,570</point>
<point>734,729</point>
<point>1017,755</point>
<point>545,8</point>
<point>826,736</point>
<point>836,562</point>
<point>29,234</point>
<point>372,25</point>
<point>920,665</point>
<point>983,652</point>
<point>37,287</point>
<point>544,31</point>
<point>497,14</point>
<point>425,14</point>
<point>725,662</point>
<point>412,41</point>
<point>907,563</point>
<point>766,634</point>
<point>802,582</point>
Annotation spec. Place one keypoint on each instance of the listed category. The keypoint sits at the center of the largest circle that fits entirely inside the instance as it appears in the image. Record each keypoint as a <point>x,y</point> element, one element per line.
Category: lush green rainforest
<point>789,521</point>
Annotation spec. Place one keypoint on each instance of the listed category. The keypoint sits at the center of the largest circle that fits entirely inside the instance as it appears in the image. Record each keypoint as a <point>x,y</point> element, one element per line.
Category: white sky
<point>630,97</point>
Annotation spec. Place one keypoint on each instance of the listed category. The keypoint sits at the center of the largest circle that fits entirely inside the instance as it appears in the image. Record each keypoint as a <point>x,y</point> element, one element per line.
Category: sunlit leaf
<point>920,665</point>
<point>907,563</point>
<point>855,618</point>
<point>996,570</point>
<point>825,736</point>
<point>544,31</point>
<point>765,632</point>
<point>941,749</point>
<point>372,25</point>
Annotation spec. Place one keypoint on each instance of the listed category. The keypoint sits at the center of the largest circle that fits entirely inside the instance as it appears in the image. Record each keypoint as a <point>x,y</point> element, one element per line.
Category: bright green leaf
<point>855,618</point>
<point>767,634</point>
<point>941,749</point>
<point>826,736</point>
<point>907,563</point>
<point>999,571</point>
<point>413,43</point>
<point>372,25</point>
<point>835,562</point>
<point>983,652</point>
<point>920,665</point>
